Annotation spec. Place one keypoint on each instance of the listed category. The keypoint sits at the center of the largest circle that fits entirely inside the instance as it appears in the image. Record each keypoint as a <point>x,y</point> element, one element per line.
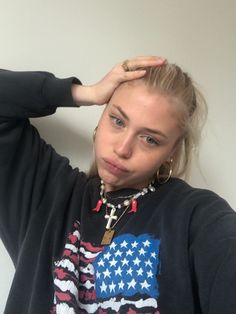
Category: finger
<point>133,75</point>
<point>148,58</point>
<point>142,62</point>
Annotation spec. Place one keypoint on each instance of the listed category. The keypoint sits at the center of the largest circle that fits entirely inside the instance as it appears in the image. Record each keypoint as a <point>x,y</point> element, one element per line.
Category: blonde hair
<point>170,81</point>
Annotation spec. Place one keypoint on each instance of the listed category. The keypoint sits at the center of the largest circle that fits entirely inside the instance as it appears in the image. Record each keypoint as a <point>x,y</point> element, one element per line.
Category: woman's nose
<point>124,146</point>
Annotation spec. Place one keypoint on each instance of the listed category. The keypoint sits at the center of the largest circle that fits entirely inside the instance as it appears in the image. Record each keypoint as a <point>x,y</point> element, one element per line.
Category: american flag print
<point>118,278</point>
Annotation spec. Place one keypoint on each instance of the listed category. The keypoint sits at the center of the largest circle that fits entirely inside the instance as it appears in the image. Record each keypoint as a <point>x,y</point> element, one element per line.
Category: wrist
<point>83,95</point>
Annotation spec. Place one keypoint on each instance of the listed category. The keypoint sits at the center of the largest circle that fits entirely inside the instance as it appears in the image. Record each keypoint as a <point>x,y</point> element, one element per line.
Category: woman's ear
<point>176,147</point>
<point>176,150</point>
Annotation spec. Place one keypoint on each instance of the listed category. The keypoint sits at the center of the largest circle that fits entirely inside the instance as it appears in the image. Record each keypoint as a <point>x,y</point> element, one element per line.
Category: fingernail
<point>161,59</point>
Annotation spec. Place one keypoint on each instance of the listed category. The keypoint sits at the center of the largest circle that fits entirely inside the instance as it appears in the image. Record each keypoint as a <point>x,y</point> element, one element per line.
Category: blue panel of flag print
<point>129,265</point>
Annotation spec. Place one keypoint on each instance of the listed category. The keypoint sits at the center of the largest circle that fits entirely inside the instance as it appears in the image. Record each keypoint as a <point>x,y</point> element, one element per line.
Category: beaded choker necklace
<point>128,202</point>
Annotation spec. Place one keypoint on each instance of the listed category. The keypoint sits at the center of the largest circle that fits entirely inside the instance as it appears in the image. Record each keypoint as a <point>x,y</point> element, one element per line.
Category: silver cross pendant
<point>110,218</point>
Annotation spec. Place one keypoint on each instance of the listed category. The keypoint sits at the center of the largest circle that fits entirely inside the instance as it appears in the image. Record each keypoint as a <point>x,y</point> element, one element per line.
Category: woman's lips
<point>114,166</point>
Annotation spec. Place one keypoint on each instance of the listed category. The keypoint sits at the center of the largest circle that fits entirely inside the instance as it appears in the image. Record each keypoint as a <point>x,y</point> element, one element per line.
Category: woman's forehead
<point>140,98</point>
<point>145,108</point>
<point>145,99</point>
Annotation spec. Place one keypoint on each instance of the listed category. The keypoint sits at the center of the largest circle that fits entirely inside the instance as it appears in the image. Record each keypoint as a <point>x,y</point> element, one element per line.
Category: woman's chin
<point>111,182</point>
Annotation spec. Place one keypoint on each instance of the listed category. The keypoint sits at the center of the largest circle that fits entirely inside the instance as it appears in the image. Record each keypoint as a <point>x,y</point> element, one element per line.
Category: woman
<point>128,238</point>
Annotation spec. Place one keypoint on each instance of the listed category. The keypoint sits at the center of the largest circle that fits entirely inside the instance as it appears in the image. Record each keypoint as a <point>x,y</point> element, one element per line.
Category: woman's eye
<point>117,121</point>
<point>151,141</point>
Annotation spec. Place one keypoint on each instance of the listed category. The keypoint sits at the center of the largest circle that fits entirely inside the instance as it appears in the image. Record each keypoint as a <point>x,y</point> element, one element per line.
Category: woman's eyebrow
<point>121,112</point>
<point>158,132</point>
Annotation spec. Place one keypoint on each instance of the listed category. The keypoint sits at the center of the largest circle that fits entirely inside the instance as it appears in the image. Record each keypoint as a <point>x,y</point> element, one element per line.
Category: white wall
<point>85,38</point>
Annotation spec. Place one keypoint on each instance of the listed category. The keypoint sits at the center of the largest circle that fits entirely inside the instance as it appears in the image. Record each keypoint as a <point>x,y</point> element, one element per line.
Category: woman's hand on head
<point>101,92</point>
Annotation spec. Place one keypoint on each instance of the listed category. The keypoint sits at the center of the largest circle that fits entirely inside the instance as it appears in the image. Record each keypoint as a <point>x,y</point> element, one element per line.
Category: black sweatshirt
<point>176,254</point>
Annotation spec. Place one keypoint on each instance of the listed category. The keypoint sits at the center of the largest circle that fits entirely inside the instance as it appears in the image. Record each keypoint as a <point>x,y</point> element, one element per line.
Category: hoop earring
<point>162,177</point>
<point>94,133</point>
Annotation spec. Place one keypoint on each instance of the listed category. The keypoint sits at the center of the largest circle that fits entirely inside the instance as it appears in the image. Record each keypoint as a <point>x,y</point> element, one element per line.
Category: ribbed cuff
<point>57,92</point>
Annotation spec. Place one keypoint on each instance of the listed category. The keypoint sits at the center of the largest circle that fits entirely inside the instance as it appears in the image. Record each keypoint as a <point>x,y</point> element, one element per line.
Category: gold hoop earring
<point>162,177</point>
<point>94,133</point>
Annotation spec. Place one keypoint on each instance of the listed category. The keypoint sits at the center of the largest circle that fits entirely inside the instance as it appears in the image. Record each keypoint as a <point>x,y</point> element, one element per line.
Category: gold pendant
<point>107,237</point>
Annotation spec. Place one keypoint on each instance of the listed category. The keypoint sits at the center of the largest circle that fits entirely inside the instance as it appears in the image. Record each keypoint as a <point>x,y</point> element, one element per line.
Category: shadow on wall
<point>66,140</point>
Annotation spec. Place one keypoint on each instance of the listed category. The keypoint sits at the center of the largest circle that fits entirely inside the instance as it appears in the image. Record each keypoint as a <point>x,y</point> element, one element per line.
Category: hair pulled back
<point>170,81</point>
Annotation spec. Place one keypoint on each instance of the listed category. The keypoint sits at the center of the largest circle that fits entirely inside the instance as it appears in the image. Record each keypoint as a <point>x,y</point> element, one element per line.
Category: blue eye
<point>117,121</point>
<point>151,141</point>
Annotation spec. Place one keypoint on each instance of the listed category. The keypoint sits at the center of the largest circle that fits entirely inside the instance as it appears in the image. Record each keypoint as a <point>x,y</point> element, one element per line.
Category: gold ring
<point>125,66</point>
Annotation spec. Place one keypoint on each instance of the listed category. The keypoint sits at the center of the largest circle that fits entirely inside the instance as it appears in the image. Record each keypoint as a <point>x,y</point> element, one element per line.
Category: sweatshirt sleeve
<point>213,255</point>
<point>33,94</point>
<point>27,164</point>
